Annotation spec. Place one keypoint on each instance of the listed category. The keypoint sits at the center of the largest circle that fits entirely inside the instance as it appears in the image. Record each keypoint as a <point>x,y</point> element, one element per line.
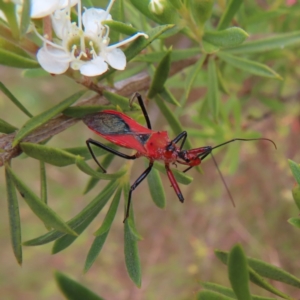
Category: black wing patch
<point>106,124</point>
<point>143,138</point>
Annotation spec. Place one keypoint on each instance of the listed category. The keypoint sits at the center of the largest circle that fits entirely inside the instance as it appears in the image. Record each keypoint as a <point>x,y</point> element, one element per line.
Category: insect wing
<point>119,129</point>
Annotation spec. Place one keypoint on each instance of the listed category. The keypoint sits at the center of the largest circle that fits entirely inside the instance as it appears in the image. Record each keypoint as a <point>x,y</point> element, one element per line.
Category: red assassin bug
<point>121,130</point>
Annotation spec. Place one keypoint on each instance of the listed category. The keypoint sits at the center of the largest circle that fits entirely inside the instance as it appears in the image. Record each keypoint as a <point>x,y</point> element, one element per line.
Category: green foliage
<point>131,253</point>
<point>160,75</point>
<point>238,273</point>
<point>231,9</point>
<point>241,269</point>
<point>14,217</point>
<point>39,208</point>
<point>73,290</point>
<point>45,116</point>
<point>156,189</point>
<point>6,127</point>
<point>5,90</point>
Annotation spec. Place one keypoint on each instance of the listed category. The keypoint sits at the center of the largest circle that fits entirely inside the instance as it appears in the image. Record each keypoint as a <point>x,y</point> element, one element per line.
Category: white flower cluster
<point>84,45</point>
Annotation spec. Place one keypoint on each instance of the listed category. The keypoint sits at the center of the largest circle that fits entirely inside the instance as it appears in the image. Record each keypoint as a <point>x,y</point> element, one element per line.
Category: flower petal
<point>65,3</point>
<point>94,67</point>
<point>54,61</point>
<point>40,9</point>
<point>92,18</point>
<point>61,22</point>
<point>116,58</point>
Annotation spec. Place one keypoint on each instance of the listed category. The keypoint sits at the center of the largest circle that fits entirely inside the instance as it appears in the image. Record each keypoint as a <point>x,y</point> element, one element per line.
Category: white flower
<point>41,9</point>
<point>85,50</point>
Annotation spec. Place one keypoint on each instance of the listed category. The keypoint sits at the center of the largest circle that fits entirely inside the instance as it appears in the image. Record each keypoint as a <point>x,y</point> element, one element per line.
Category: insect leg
<point>111,150</point>
<point>183,136</point>
<point>142,105</point>
<point>174,183</point>
<point>134,186</point>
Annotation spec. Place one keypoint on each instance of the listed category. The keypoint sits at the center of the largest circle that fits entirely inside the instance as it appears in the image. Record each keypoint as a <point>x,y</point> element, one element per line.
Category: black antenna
<point>223,180</point>
<point>246,140</point>
<point>209,151</point>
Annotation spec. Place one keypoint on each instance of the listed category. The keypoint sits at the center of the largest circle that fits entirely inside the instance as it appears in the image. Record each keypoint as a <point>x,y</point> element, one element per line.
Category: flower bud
<point>156,6</point>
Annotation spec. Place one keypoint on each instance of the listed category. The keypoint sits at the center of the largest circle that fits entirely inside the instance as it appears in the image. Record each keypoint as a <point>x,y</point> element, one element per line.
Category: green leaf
<point>210,295</point>
<point>274,42</point>
<point>227,291</point>
<point>171,118</point>
<point>81,111</point>
<point>66,240</point>
<point>116,99</point>
<point>219,289</point>
<point>176,3</point>
<point>14,218</point>
<point>191,77</point>
<point>296,196</point>
<point>50,155</point>
<point>160,75</point>
<point>249,65</point>
<point>259,280</point>
<point>238,273</point>
<point>295,222</point>
<point>10,59</point>
<point>94,181</point>
<point>168,15</point>
<point>102,232</point>
<point>201,10</point>
<point>83,218</point>
<point>34,73</point>
<point>179,176</point>
<point>120,27</point>
<point>43,182</point>
<point>295,168</point>
<point>138,45</point>
<point>156,188</point>
<point>176,55</point>
<point>73,290</point>
<point>95,250</point>
<point>84,151</point>
<point>222,83</point>
<point>45,116</point>
<point>39,208</point>
<point>105,227</point>
<point>87,3</point>
<point>213,96</point>
<point>231,8</point>
<point>14,99</point>
<point>9,46</point>
<point>168,97</point>
<point>264,269</point>
<point>209,48</point>
<point>134,233</point>
<point>25,17</point>
<point>6,127</point>
<point>10,11</point>
<point>132,258</point>
<point>84,167</point>
<point>229,37</point>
